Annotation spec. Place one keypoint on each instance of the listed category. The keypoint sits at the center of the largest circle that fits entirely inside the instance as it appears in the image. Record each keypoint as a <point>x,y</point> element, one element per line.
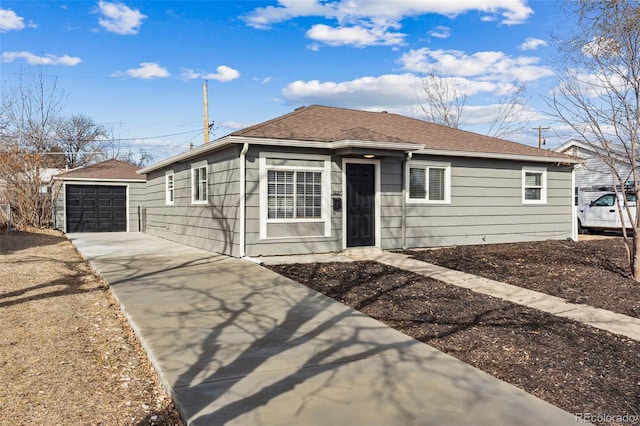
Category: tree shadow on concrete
<point>235,342</point>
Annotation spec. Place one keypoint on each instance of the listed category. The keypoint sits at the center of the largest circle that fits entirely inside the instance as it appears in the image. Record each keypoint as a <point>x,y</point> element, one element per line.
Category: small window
<point>169,187</point>
<point>429,182</point>
<point>199,183</point>
<point>534,186</point>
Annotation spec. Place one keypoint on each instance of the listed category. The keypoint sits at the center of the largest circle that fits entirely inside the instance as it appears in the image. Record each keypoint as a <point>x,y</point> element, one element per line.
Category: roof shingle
<point>329,124</point>
<point>107,170</point>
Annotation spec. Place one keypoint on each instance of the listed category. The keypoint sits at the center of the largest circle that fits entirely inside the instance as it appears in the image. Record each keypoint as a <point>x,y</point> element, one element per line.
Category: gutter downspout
<point>243,195</point>
<point>408,157</point>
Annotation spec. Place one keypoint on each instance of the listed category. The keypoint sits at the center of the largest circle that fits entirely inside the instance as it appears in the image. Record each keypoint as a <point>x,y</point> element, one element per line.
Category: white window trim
<point>195,166</point>
<point>326,191</point>
<point>543,192</point>
<point>168,201</point>
<point>425,165</point>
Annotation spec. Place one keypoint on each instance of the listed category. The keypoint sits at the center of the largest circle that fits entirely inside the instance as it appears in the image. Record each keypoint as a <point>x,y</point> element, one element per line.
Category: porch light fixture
<point>369,156</point>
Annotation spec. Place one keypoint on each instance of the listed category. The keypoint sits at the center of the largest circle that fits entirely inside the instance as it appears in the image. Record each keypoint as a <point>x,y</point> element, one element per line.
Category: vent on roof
<point>299,108</point>
<point>383,112</point>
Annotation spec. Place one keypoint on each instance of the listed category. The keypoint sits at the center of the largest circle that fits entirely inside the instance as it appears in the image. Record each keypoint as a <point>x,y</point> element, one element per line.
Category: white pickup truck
<point>602,214</point>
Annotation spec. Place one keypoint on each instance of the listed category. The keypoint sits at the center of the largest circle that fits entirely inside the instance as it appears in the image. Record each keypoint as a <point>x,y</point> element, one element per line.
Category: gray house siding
<point>137,203</point>
<point>213,226</point>
<point>486,207</point>
<point>486,204</point>
<point>288,238</point>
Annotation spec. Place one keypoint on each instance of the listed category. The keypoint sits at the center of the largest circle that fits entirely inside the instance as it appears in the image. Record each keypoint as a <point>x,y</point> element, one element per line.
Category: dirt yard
<point>573,366</point>
<point>591,272</point>
<point>67,355</point>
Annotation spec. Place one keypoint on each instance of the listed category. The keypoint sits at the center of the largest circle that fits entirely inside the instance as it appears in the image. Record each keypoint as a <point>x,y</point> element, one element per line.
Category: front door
<point>360,205</point>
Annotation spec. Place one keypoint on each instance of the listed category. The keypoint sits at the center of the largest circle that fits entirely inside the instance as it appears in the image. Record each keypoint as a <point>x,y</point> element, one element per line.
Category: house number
<point>336,194</point>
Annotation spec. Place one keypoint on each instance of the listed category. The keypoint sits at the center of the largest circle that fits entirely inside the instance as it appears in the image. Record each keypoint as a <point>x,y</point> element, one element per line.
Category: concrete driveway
<point>235,343</point>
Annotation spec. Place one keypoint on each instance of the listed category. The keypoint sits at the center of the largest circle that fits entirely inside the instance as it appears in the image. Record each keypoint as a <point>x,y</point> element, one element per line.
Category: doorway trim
<point>376,199</point>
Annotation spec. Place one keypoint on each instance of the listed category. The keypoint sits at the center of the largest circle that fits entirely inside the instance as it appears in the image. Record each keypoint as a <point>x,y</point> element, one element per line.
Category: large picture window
<point>534,186</point>
<point>295,189</point>
<point>429,182</point>
<point>294,194</point>
<point>199,183</point>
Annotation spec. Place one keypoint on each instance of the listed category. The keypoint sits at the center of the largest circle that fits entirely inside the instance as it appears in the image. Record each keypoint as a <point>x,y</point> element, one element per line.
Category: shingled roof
<point>328,124</point>
<point>106,170</point>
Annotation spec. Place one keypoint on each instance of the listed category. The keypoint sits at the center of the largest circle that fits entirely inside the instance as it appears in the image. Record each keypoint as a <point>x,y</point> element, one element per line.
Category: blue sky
<point>138,66</point>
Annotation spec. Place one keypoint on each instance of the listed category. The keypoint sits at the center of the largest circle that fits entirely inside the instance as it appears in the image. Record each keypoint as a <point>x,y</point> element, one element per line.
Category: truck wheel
<point>582,230</point>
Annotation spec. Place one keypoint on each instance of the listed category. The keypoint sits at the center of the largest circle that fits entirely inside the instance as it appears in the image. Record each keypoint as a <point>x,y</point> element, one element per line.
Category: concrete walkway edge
<point>238,344</point>
<point>623,325</point>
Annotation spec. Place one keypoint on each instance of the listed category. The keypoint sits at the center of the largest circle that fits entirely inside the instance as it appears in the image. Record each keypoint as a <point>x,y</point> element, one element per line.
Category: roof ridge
<point>273,120</point>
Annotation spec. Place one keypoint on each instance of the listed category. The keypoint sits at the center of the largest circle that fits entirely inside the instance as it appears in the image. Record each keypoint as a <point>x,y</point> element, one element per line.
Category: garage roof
<point>106,170</point>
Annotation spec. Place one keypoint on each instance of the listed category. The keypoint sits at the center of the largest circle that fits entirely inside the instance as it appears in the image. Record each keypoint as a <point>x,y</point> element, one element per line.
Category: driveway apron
<point>235,343</point>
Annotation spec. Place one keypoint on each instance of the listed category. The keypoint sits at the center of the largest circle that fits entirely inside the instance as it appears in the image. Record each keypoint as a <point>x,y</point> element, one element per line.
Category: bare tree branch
<point>599,96</point>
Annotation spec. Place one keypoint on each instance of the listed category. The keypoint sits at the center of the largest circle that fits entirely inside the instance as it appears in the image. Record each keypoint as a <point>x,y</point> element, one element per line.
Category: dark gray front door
<point>360,205</point>
<point>96,208</point>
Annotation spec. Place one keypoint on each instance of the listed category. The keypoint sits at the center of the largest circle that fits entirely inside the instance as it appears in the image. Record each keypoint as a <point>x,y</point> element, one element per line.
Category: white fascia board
<point>66,179</point>
<point>498,156</point>
<point>228,140</point>
<point>215,145</point>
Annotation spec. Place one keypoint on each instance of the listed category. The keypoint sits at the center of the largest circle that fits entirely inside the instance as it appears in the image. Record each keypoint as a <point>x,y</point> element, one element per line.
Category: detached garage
<point>103,197</point>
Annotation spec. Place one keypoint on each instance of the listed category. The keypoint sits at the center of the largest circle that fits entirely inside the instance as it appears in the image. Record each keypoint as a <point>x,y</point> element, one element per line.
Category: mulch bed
<point>595,273</point>
<point>573,366</point>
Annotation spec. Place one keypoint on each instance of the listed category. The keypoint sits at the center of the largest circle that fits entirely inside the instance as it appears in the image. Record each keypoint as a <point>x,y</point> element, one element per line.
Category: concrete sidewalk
<point>235,343</point>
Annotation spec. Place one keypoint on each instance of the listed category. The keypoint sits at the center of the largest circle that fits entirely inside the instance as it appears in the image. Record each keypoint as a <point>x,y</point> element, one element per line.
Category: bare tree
<point>599,97</point>
<point>30,198</point>
<point>30,111</point>
<point>443,100</point>
<point>81,140</point>
<point>507,120</point>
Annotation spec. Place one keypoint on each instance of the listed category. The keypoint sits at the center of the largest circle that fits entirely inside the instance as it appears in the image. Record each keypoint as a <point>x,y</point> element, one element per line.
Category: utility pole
<point>206,113</point>
<point>540,129</point>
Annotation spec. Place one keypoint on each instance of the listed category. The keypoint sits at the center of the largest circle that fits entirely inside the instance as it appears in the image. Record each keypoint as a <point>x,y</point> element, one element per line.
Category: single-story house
<point>103,197</point>
<point>592,174</point>
<point>324,179</point>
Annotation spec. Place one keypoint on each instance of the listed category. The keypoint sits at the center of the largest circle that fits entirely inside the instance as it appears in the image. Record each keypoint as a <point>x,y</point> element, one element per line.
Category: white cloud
<point>223,74</point>
<point>358,36</point>
<point>146,71</point>
<point>487,65</point>
<point>10,21</point>
<point>511,11</point>
<point>440,32</point>
<point>119,18</point>
<point>532,44</point>
<point>391,91</point>
<point>364,23</point>
<point>47,59</point>
<point>265,80</point>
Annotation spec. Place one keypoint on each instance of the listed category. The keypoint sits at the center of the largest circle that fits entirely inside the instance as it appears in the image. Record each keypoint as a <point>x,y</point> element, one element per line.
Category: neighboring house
<point>592,174</point>
<point>324,179</point>
<point>103,197</point>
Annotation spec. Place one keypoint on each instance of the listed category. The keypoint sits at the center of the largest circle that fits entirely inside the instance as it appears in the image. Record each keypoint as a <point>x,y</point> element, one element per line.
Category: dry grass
<point>67,355</point>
